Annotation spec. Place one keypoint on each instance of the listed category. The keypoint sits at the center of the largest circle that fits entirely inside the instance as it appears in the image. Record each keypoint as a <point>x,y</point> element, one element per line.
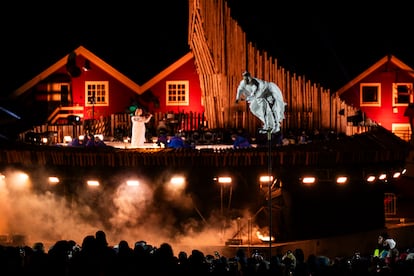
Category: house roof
<point>104,66</point>
<point>167,71</point>
<point>62,62</point>
<point>375,66</point>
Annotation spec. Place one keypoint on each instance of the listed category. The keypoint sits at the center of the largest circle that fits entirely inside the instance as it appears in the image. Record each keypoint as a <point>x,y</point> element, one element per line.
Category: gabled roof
<point>378,64</point>
<point>106,67</point>
<point>167,71</point>
<point>62,62</point>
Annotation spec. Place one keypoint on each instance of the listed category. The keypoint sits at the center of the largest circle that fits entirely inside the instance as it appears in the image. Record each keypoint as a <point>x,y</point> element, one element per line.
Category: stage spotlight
<point>53,179</point>
<point>133,183</point>
<point>371,178</point>
<point>265,178</point>
<point>92,183</point>
<point>73,119</point>
<point>223,179</point>
<point>177,180</point>
<point>176,186</point>
<point>308,180</point>
<point>100,136</point>
<point>383,177</point>
<point>396,175</point>
<point>341,180</point>
<point>265,181</point>
<point>67,139</point>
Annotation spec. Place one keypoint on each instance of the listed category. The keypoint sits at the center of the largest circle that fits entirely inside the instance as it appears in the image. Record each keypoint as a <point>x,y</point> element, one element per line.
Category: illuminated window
<point>370,94</point>
<point>56,91</point>
<point>96,93</point>
<point>402,94</point>
<point>402,130</point>
<point>177,93</point>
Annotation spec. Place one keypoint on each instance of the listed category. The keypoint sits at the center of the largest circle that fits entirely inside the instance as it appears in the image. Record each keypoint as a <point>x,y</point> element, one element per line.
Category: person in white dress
<point>265,101</point>
<point>138,127</point>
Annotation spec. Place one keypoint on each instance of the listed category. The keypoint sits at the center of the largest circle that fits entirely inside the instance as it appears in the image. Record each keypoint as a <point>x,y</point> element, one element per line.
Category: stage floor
<point>122,145</point>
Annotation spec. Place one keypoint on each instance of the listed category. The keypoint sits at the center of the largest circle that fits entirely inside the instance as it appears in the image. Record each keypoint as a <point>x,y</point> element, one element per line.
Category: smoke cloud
<point>153,211</point>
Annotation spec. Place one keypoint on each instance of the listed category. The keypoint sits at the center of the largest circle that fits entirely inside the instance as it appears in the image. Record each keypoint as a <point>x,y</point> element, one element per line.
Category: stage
<point>123,145</point>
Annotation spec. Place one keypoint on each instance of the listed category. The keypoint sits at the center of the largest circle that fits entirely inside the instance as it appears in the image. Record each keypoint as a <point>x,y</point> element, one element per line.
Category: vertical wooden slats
<point>222,53</point>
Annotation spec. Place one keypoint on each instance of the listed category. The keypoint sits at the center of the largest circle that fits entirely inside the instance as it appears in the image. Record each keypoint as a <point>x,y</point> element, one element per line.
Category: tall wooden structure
<point>222,52</point>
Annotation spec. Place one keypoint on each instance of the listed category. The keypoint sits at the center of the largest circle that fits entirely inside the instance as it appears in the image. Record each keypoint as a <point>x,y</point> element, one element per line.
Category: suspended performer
<point>265,101</point>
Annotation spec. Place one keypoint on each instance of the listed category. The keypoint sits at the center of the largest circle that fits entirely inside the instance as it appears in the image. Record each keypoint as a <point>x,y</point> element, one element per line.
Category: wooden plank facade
<point>222,52</point>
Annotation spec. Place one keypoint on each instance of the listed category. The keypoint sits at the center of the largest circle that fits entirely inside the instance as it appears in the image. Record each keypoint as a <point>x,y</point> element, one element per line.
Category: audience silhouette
<point>96,257</point>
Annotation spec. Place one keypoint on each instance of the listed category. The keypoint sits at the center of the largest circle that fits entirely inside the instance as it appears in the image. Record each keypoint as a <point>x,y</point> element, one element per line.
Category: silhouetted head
<point>100,237</point>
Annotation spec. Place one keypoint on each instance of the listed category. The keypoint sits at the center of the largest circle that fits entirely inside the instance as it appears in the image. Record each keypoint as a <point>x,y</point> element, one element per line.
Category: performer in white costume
<point>265,101</point>
<point>138,128</point>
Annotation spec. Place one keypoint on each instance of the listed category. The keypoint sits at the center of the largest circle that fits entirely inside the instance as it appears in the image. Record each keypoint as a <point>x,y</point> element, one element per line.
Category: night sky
<point>329,43</point>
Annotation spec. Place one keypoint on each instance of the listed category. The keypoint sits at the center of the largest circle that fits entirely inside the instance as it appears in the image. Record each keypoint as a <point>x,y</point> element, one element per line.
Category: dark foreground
<point>347,255</point>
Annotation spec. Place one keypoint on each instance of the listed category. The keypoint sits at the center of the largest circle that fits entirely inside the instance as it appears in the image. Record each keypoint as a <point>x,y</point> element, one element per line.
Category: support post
<point>269,168</point>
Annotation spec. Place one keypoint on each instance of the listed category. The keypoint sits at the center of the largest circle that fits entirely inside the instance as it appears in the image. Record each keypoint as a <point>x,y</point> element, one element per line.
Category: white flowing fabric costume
<point>138,130</point>
<point>265,101</point>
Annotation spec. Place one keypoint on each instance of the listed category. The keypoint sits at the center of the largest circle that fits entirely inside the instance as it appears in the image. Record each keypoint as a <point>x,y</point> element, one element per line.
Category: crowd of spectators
<point>94,256</point>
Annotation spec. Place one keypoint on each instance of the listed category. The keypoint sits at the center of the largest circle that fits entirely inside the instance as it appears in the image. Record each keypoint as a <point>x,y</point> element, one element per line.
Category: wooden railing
<point>118,126</point>
<point>63,112</point>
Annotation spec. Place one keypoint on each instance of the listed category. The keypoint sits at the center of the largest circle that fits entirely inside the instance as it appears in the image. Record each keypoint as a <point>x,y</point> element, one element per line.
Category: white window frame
<point>177,93</point>
<point>396,93</point>
<point>373,86</point>
<point>101,93</point>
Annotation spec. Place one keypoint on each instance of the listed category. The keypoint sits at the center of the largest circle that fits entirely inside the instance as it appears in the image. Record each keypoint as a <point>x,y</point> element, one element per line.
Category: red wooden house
<point>83,86</point>
<point>382,93</point>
